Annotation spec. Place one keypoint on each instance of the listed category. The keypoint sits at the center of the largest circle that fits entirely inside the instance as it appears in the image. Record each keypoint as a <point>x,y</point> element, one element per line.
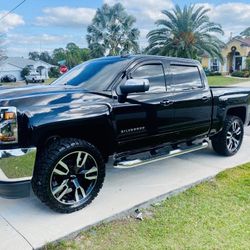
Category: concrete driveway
<point>27,224</point>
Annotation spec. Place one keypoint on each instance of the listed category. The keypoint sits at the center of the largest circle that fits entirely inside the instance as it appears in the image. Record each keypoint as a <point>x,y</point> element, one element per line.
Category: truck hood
<point>41,95</point>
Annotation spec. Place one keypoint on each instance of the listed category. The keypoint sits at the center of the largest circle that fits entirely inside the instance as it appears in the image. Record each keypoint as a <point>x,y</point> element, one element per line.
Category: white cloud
<point>66,17</point>
<point>145,11</point>
<point>9,22</point>
<point>234,17</point>
<point>36,39</point>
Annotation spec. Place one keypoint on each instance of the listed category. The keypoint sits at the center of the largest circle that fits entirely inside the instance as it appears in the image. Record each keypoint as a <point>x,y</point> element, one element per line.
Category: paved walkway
<point>27,224</point>
<point>243,84</point>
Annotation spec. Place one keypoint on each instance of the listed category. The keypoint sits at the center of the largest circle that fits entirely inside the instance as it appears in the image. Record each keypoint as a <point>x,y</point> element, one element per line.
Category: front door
<point>238,62</point>
<point>143,116</point>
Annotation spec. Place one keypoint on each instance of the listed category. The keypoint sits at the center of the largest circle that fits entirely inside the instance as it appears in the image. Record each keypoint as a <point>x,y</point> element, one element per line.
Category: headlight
<point>8,125</point>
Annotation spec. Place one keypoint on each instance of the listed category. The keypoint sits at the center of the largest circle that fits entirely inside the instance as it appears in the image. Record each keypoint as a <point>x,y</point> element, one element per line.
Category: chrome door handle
<point>166,103</point>
<point>205,98</point>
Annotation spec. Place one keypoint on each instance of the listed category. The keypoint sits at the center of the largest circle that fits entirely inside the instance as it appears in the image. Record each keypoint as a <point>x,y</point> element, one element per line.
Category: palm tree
<point>187,33</point>
<point>246,32</point>
<point>112,32</point>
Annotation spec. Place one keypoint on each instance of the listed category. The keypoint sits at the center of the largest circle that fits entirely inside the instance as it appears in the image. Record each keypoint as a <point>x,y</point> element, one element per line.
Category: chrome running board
<point>123,164</point>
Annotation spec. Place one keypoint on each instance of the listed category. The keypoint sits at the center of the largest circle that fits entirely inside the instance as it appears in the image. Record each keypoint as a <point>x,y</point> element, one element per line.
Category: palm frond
<point>185,32</point>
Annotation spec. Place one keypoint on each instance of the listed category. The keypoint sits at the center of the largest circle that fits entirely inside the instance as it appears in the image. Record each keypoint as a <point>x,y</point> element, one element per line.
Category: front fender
<point>90,122</point>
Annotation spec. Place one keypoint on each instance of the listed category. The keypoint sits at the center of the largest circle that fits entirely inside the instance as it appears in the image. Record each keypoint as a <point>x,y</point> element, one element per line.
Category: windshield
<point>94,75</point>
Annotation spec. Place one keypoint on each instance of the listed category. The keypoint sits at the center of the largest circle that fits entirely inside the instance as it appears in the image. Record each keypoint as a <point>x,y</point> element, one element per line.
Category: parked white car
<point>34,77</point>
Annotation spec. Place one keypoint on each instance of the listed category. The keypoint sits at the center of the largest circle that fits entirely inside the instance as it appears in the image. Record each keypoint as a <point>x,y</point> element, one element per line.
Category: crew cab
<point>129,110</point>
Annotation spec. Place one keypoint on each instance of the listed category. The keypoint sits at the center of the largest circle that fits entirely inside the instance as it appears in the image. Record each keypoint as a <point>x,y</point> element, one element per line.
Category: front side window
<point>185,77</point>
<point>154,73</point>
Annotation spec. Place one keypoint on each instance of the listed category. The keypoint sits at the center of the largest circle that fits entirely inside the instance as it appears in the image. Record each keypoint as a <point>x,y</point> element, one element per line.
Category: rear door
<point>192,101</point>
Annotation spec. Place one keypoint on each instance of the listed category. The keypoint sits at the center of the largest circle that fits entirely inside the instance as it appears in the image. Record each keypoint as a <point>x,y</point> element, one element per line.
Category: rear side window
<point>185,77</point>
<point>154,73</point>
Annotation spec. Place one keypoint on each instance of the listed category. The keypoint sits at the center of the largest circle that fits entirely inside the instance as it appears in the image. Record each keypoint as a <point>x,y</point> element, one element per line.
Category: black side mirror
<point>134,85</point>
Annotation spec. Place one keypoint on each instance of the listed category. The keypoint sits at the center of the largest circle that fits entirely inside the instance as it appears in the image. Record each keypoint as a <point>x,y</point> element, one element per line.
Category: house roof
<point>21,62</point>
<point>244,41</point>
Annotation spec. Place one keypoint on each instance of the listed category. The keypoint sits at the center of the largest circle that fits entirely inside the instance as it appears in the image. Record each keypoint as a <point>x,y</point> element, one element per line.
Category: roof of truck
<point>134,57</point>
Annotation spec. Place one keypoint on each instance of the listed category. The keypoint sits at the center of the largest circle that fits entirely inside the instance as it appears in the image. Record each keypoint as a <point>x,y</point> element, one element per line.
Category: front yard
<point>22,83</point>
<point>224,81</point>
<point>213,215</point>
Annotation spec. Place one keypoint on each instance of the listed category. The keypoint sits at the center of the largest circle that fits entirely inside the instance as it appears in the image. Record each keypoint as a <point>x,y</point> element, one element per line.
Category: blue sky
<point>46,24</point>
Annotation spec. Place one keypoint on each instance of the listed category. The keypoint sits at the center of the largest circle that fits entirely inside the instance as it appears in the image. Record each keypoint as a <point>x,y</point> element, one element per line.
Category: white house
<point>15,65</point>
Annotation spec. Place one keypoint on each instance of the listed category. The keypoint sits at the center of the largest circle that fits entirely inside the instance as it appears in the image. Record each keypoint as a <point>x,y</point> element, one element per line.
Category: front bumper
<point>16,170</point>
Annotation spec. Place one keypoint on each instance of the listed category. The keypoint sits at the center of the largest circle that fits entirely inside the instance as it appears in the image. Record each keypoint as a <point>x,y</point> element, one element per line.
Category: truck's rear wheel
<point>68,175</point>
<point>229,140</point>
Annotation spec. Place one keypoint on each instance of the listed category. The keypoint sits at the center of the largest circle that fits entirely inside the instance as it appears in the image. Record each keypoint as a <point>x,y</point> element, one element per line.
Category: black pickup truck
<point>137,109</point>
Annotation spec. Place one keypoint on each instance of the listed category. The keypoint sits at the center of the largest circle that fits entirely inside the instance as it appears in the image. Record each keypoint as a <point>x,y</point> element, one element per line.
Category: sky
<point>43,25</point>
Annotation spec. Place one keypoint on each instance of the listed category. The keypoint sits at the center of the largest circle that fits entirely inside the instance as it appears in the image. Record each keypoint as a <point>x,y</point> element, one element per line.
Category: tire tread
<point>46,159</point>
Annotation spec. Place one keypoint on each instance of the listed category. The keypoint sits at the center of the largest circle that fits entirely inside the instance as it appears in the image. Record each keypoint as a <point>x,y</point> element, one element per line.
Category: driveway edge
<point>131,210</point>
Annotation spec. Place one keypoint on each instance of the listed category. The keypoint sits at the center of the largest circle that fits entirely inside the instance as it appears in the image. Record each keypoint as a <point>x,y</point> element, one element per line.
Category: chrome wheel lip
<point>72,178</point>
<point>234,136</point>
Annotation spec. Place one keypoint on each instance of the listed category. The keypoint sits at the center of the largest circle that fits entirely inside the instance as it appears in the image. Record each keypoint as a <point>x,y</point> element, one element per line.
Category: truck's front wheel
<point>229,140</point>
<point>68,175</point>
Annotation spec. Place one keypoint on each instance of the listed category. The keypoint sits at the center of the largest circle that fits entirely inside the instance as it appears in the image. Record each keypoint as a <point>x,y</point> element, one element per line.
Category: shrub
<point>241,73</point>
<point>215,73</point>
<point>54,72</point>
<point>25,72</point>
<point>248,63</point>
<point>208,72</point>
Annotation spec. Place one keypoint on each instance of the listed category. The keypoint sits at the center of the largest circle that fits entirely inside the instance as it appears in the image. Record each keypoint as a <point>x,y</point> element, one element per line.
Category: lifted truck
<point>138,109</point>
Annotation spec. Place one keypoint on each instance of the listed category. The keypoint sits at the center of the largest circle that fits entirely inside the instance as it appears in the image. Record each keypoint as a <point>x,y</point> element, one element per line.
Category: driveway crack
<point>17,231</point>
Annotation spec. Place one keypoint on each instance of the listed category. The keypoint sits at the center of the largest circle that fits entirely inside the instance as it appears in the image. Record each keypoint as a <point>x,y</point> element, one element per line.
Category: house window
<point>214,64</point>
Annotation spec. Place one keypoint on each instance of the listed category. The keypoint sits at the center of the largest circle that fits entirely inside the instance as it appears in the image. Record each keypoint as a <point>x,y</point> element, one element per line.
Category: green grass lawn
<point>212,215</point>
<point>223,81</point>
<point>50,80</point>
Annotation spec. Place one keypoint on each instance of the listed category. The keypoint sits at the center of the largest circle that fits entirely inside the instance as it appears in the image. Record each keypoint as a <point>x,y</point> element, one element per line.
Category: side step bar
<point>138,162</point>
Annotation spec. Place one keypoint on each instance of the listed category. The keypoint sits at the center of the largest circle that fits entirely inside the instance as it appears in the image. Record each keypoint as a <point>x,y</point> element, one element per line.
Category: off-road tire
<point>220,141</point>
<point>45,165</point>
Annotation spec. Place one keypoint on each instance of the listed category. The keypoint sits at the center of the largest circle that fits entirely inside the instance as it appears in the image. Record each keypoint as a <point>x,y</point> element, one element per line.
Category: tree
<point>45,56</point>
<point>112,32</point>
<point>246,32</point>
<point>85,54</point>
<point>54,72</point>
<point>58,55</point>
<point>25,71</point>
<point>72,55</point>
<point>186,33</point>
<point>34,55</point>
